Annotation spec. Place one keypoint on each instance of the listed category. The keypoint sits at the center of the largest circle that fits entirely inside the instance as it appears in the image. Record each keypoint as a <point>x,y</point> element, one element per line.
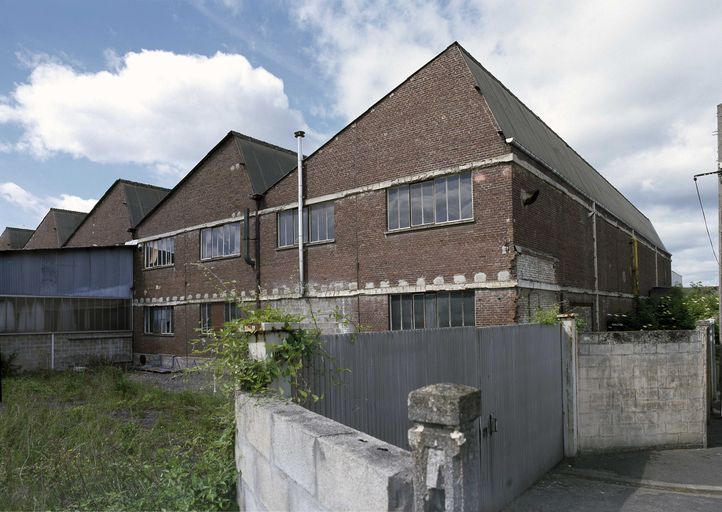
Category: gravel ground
<point>175,381</point>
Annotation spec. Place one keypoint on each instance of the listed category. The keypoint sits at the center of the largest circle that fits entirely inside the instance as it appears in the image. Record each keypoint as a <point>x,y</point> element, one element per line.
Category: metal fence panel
<point>518,369</point>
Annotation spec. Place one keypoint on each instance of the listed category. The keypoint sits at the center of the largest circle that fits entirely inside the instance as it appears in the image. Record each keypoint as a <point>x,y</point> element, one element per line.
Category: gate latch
<point>492,423</point>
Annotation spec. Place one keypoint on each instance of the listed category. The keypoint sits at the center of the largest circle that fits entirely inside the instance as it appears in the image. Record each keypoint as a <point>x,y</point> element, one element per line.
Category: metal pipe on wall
<point>301,283</point>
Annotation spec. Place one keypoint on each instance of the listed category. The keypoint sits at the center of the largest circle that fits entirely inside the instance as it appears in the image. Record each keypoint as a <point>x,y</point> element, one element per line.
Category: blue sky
<point>92,91</point>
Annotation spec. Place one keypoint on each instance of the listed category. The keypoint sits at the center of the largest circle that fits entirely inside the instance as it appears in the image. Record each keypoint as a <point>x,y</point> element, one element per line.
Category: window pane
<point>407,309</point>
<point>322,223</point>
<point>417,207</point>
<point>315,224</point>
<point>404,216</point>
<point>395,312</point>
<point>305,225</point>
<point>236,238</point>
<point>457,309</point>
<point>430,310</point>
<point>419,311</point>
<point>442,308</point>
<point>226,230</point>
<point>428,199</point>
<point>393,208</point>
<point>440,198</point>
<point>206,247</point>
<point>330,228</point>
<point>469,316</point>
<point>172,250</point>
<point>465,195</point>
<point>452,194</point>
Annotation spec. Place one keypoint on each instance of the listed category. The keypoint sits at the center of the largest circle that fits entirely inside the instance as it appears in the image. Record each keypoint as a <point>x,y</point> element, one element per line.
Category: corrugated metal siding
<point>106,272</point>
<point>517,368</point>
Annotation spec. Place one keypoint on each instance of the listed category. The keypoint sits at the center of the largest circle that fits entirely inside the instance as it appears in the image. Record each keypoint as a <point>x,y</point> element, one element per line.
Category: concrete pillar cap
<point>445,404</point>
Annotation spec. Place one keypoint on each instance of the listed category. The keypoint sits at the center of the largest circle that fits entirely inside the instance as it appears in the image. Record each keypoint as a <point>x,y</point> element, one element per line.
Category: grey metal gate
<point>518,369</point>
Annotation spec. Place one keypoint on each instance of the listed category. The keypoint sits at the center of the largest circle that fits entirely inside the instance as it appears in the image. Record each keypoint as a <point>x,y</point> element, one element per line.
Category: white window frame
<point>314,217</point>
<point>159,253</point>
<point>158,320</point>
<point>402,200</point>
<point>225,241</point>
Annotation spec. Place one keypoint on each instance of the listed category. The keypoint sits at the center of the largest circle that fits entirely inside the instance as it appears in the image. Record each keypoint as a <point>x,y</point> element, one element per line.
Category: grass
<point>99,441</point>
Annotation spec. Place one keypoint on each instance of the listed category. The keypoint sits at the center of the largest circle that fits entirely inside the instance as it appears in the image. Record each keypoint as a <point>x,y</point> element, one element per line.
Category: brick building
<point>448,202</point>
<point>14,238</point>
<point>55,229</point>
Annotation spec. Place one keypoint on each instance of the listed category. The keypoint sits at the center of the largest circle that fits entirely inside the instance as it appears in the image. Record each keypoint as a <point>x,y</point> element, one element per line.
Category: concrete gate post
<point>569,383</point>
<point>445,448</point>
<point>263,337</point>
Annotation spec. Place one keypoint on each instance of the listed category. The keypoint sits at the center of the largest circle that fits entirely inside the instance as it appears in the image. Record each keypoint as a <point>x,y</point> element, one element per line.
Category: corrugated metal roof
<point>265,163</point>
<point>15,238</point>
<point>141,199</point>
<point>66,222</point>
<point>516,120</point>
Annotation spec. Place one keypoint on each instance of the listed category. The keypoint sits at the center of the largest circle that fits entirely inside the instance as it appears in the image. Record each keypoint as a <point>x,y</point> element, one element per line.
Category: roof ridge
<point>262,142</point>
<point>63,210</point>
<point>18,229</point>
<point>549,127</point>
<point>139,184</point>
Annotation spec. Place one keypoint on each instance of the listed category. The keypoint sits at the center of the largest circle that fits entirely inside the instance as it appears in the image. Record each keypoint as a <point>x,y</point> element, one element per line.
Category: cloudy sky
<point>94,91</point>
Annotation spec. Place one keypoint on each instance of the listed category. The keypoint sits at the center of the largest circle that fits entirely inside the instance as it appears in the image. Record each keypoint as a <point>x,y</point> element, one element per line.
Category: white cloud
<point>36,206</point>
<point>154,108</point>
<point>630,85</point>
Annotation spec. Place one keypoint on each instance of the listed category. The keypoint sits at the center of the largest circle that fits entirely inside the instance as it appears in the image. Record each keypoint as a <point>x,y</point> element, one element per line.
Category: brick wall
<point>35,351</point>
<point>108,224</point>
<point>642,390</point>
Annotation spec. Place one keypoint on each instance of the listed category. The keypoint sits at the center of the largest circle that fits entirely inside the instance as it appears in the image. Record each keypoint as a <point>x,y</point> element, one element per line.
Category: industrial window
<point>159,253</point>
<point>206,320</point>
<point>220,241</point>
<point>430,310</point>
<point>445,199</point>
<point>55,314</point>
<point>158,320</point>
<point>231,312</point>
<point>318,217</point>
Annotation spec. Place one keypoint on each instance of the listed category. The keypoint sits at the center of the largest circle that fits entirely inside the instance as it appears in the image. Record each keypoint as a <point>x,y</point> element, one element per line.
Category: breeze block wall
<point>642,389</point>
<point>292,459</point>
<point>35,351</point>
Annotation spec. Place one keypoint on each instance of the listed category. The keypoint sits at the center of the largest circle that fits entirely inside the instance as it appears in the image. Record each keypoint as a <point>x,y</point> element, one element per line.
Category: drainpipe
<point>596,264</point>
<point>258,198</point>
<point>301,282</point>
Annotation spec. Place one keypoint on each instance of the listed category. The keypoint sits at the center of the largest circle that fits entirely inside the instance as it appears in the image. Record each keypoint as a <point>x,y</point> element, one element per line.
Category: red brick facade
<point>516,257</point>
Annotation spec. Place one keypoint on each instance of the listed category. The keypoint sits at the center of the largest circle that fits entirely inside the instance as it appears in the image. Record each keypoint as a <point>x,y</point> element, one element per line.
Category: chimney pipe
<point>301,282</point>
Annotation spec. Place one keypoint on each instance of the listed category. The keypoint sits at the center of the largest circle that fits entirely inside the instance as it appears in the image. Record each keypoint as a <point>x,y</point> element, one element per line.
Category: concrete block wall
<point>641,389</point>
<point>292,459</point>
<point>35,351</point>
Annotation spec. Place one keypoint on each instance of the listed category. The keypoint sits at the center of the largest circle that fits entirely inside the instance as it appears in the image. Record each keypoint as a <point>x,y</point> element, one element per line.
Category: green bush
<point>231,361</point>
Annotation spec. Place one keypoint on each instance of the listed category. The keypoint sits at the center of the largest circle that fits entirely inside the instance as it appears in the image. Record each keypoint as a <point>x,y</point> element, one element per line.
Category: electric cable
<point>699,197</point>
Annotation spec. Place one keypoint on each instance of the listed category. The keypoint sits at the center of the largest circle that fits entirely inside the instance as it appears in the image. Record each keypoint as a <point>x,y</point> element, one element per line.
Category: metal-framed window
<point>318,221</point>
<point>431,310</point>
<point>158,320</point>
<point>206,321</point>
<point>159,253</point>
<point>231,312</point>
<point>221,241</point>
<point>437,201</point>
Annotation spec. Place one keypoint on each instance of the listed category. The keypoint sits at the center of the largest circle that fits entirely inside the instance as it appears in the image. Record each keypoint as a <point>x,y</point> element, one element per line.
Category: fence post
<point>569,383</point>
<point>445,447</point>
<point>705,333</point>
<point>263,337</point>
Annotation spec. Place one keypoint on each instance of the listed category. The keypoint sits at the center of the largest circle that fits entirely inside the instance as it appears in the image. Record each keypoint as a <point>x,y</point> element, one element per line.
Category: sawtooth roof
<point>533,135</point>
<point>15,238</point>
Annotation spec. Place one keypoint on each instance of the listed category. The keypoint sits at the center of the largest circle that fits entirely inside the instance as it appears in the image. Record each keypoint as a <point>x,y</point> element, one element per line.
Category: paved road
<point>561,492</point>
<point>654,480</point>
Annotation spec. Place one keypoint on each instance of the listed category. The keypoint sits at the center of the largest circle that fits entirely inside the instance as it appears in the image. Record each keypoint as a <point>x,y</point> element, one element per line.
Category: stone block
<point>250,501</point>
<point>300,501</point>
<point>444,404</point>
<point>358,472</point>
<point>271,486</point>
<point>667,348</point>
<point>604,348</point>
<point>623,348</point>
<point>645,348</point>
<point>253,421</point>
<point>294,433</point>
